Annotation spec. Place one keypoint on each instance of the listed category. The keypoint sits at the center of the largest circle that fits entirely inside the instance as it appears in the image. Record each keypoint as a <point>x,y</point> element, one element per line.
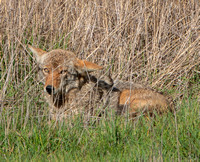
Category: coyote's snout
<point>70,87</point>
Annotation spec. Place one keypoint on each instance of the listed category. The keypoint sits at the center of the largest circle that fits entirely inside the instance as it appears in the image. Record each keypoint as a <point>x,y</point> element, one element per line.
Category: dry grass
<point>152,42</point>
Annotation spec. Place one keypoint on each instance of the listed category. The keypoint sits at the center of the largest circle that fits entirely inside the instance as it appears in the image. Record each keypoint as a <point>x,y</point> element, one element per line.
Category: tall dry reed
<point>153,42</point>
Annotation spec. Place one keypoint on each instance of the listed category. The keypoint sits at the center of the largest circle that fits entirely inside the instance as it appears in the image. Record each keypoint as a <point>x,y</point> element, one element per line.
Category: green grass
<point>167,137</point>
<point>147,43</point>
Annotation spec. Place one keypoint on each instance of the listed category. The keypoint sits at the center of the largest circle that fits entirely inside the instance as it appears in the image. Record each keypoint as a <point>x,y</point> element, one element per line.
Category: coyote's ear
<point>83,66</point>
<point>37,53</point>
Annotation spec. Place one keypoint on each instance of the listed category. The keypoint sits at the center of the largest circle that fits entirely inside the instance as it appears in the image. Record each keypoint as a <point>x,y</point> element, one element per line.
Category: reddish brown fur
<point>141,98</point>
<point>53,78</point>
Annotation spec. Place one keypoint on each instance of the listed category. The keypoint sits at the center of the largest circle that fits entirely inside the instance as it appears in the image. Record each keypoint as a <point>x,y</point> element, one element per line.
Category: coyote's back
<point>70,88</point>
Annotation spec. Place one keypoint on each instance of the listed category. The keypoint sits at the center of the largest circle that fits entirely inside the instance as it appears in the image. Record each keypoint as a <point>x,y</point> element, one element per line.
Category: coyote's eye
<point>45,70</point>
<point>63,71</point>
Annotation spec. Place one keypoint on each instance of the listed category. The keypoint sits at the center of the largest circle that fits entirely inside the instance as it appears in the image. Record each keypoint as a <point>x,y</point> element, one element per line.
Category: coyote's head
<point>61,70</point>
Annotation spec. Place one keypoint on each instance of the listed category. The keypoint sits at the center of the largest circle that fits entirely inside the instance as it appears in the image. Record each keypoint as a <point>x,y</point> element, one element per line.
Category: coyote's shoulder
<point>72,88</point>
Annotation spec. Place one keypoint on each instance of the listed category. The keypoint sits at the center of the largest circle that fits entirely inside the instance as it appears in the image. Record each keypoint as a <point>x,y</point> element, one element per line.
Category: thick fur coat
<point>71,87</point>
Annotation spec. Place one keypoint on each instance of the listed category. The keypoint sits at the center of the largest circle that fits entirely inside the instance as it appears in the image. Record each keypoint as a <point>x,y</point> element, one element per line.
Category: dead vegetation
<point>152,42</point>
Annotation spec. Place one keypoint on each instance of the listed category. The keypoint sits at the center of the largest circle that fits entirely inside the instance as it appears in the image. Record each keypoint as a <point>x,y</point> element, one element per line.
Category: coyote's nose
<point>49,89</point>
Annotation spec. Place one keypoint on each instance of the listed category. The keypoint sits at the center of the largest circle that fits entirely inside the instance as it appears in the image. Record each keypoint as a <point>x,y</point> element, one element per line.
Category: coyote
<point>70,88</point>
